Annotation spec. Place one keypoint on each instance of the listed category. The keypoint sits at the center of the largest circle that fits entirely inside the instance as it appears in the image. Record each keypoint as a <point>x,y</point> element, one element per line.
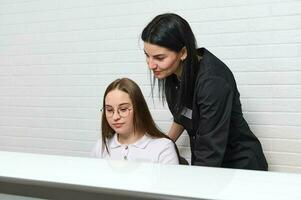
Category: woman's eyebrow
<point>122,104</point>
<point>157,55</point>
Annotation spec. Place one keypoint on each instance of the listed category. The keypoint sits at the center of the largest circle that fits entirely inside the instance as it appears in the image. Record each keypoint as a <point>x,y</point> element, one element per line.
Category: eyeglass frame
<point>118,112</point>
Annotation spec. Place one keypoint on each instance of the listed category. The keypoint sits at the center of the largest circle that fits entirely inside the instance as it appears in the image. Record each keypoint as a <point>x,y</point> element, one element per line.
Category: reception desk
<point>64,177</point>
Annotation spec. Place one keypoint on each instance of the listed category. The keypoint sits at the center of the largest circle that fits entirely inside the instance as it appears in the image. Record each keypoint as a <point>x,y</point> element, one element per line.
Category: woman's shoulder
<point>161,142</point>
<point>209,57</point>
<point>213,69</point>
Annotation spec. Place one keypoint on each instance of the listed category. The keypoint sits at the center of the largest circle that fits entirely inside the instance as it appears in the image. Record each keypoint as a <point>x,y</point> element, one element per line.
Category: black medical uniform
<point>219,135</point>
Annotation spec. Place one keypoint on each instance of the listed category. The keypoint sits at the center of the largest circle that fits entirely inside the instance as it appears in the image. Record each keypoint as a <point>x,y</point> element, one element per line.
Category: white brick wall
<point>57,56</point>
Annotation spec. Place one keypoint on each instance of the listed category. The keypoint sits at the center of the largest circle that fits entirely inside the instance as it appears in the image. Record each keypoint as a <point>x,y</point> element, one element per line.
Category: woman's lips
<point>118,125</point>
<point>156,73</point>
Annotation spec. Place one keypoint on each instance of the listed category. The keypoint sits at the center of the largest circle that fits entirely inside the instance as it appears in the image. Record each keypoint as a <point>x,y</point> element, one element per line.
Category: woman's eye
<point>123,109</point>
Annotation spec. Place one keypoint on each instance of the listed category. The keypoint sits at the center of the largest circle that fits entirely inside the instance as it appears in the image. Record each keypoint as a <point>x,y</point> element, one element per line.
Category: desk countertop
<point>188,181</point>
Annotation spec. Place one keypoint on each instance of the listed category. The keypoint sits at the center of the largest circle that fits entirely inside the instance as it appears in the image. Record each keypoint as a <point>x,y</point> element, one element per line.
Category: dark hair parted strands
<point>142,120</point>
<point>173,32</point>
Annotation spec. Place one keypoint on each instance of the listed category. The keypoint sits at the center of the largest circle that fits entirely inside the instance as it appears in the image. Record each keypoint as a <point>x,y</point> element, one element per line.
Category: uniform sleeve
<point>214,99</point>
<point>168,155</point>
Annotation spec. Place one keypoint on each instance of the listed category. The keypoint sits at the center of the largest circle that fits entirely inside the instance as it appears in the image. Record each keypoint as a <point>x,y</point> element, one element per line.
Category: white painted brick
<point>164,125</point>
<point>227,13</point>
<point>161,115</point>
<point>287,145</point>
<point>56,58</point>
<point>57,123</point>
<point>61,113</point>
<point>75,3</point>
<point>271,105</point>
<point>46,151</point>
<point>78,69</point>
<point>105,10</point>
<point>6,81</point>
<point>246,25</point>
<point>277,158</point>
<point>270,91</point>
<point>53,102</point>
<point>285,168</point>
<point>277,132</point>
<point>183,140</point>
<point>78,91</point>
<point>14,29</point>
<point>4,61</point>
<point>203,4</point>
<point>286,8</point>
<point>63,80</point>
<point>267,51</point>
<point>268,78</point>
<point>185,152</point>
<point>31,17</point>
<point>280,147</point>
<point>45,143</point>
<point>16,39</point>
<point>46,133</point>
<point>273,118</point>
<point>251,38</point>
<point>76,58</point>
<point>155,103</point>
<point>27,6</point>
<point>265,64</point>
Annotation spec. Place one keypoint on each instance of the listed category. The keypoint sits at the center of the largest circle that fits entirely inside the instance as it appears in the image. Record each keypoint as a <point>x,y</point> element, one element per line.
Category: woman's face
<point>119,112</point>
<point>162,61</point>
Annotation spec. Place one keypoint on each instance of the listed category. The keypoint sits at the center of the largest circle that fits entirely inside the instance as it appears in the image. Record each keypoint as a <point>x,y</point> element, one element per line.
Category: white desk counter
<point>160,181</point>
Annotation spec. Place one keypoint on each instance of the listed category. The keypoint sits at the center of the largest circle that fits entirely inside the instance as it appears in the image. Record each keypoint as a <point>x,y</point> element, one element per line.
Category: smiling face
<point>119,112</point>
<point>162,61</point>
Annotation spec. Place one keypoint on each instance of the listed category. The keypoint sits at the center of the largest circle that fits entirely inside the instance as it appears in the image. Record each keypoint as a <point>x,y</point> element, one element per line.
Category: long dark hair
<point>142,118</point>
<point>171,31</point>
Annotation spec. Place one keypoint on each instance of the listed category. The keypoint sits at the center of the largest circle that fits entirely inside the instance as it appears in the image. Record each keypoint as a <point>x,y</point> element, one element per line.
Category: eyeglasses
<point>122,112</point>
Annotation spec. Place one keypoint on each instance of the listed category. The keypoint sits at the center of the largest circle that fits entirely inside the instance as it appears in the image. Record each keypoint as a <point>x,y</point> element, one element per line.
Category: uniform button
<point>125,157</point>
<point>193,137</point>
<point>126,147</point>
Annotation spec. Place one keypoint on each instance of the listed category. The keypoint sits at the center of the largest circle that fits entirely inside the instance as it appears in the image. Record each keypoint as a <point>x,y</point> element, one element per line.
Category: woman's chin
<point>160,76</point>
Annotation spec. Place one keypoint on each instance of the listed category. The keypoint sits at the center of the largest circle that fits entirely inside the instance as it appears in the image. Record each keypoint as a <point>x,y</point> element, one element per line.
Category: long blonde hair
<point>142,118</point>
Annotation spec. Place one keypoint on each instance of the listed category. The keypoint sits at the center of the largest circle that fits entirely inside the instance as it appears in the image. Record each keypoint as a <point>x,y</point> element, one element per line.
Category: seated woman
<point>128,130</point>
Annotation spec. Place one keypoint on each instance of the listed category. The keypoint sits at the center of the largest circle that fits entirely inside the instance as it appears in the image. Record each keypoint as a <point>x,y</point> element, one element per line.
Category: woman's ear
<point>183,53</point>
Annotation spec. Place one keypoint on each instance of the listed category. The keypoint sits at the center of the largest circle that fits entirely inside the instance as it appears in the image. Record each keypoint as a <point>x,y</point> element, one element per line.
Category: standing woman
<point>202,96</point>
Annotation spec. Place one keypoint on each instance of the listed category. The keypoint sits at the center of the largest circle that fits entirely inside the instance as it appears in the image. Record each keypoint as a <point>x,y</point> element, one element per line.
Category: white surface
<point>16,197</point>
<point>199,182</point>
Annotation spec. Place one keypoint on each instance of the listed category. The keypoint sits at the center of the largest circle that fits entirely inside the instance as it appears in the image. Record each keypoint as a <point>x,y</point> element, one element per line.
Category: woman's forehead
<point>155,50</point>
<point>117,97</point>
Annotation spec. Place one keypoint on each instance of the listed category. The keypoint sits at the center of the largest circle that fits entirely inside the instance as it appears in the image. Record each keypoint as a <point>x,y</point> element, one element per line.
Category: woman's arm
<point>215,99</point>
<point>175,131</point>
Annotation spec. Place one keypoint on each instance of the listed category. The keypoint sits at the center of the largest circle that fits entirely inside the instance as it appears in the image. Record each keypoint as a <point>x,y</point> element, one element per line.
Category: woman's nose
<point>116,115</point>
<point>152,64</point>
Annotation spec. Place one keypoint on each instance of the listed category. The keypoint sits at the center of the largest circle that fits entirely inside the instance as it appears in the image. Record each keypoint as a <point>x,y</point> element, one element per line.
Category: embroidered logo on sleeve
<point>187,112</point>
